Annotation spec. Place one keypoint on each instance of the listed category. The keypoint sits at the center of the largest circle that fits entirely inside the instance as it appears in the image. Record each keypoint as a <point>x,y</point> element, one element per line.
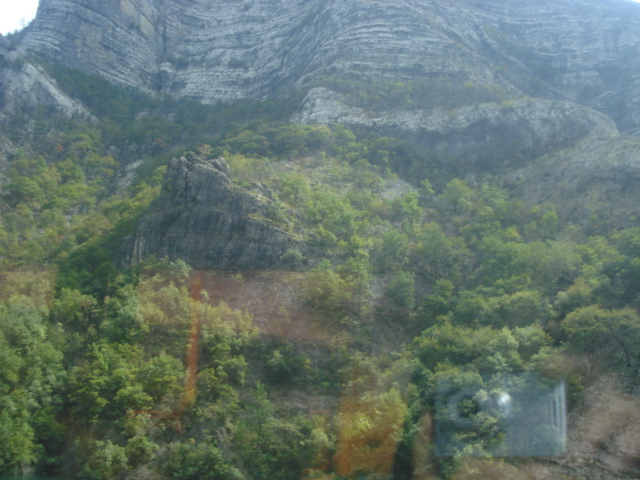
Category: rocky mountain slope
<point>503,105</point>
<point>585,51</point>
<point>484,85</point>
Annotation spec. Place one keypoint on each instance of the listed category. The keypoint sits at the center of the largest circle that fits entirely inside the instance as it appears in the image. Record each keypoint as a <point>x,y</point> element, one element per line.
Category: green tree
<point>392,251</point>
<point>609,336</point>
<point>484,349</point>
<point>17,449</point>
<point>272,446</point>
<point>329,293</point>
<point>406,210</point>
<point>457,196</point>
<point>401,289</point>
<point>520,309</point>
<point>107,385</point>
<point>104,460</point>
<point>32,375</point>
<point>437,255</point>
<point>198,461</point>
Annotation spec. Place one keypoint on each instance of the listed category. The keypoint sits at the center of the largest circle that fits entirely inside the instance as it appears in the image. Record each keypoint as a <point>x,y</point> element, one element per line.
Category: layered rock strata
<point>210,50</point>
<point>481,136</point>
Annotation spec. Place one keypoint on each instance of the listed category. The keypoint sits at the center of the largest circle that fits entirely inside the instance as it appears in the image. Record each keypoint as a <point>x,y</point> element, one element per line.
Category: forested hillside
<point>404,274</point>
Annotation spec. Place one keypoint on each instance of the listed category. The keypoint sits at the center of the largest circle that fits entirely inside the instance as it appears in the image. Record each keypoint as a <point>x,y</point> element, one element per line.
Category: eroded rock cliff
<point>201,218</point>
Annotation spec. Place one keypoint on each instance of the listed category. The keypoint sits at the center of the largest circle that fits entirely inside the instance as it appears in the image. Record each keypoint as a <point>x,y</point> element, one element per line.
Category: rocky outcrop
<point>202,218</point>
<point>24,86</point>
<point>584,51</point>
<point>25,89</point>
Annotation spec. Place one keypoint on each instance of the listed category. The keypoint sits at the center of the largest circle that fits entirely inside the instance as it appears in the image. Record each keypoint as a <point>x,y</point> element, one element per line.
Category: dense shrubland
<point>140,373</point>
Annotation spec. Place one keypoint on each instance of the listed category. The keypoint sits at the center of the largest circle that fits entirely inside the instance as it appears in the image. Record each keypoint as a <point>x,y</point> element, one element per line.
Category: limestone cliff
<point>201,218</point>
<point>579,50</point>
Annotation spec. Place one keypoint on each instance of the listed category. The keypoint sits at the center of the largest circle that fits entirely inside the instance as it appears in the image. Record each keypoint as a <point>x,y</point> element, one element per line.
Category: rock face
<point>202,219</point>
<point>483,135</point>
<point>24,86</point>
<point>213,50</point>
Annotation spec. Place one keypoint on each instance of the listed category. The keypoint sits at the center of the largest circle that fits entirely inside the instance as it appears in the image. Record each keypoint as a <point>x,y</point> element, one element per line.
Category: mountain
<point>582,51</point>
<point>283,239</point>
<point>211,51</point>
<point>481,85</point>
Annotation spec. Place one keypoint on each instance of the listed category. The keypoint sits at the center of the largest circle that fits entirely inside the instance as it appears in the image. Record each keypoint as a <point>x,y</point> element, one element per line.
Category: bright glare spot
<point>16,14</point>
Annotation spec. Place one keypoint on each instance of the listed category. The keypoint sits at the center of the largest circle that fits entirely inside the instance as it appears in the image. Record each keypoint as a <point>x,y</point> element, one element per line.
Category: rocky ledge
<point>484,136</point>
